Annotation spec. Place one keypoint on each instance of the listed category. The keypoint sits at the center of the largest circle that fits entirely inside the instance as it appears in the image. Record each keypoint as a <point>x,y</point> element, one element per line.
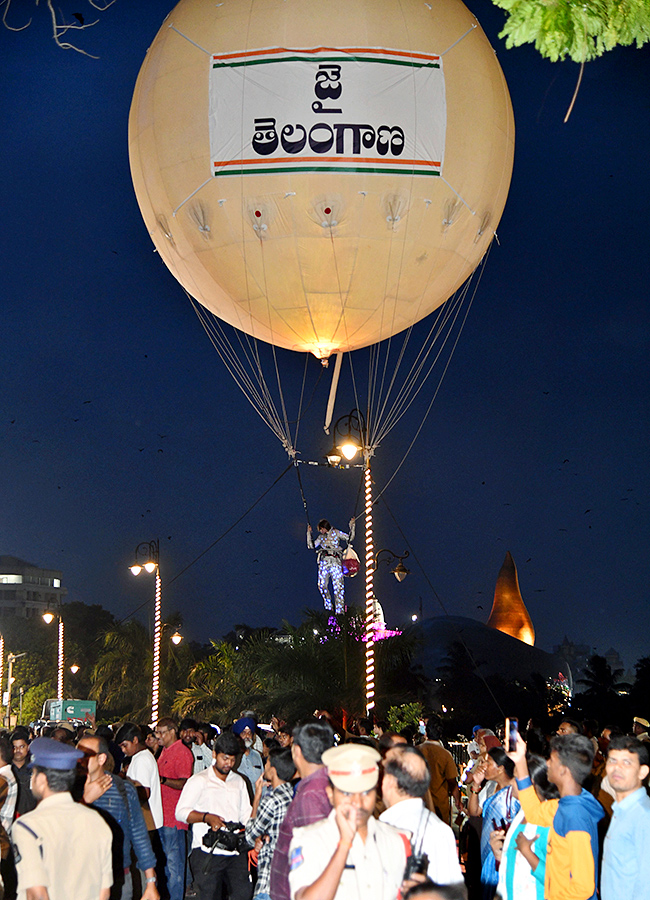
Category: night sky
<point>119,423</point>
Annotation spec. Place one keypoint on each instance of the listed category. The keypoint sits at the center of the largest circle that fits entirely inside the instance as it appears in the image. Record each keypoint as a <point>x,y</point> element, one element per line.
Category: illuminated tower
<point>509,613</point>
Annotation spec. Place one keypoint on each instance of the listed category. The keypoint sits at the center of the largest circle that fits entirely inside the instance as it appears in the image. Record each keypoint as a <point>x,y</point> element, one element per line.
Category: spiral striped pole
<point>370,591</point>
<point>157,632</point>
<point>61,663</point>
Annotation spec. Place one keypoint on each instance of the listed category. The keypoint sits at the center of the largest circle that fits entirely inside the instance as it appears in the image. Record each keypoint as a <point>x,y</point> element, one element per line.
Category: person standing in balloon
<point>330,555</point>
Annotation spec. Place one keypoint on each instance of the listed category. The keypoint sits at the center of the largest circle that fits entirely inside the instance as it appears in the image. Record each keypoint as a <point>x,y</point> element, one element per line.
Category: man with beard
<point>208,800</point>
<point>251,764</point>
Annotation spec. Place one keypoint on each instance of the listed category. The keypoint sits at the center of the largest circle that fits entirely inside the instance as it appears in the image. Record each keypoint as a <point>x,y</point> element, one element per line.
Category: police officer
<point>349,855</point>
<point>62,849</point>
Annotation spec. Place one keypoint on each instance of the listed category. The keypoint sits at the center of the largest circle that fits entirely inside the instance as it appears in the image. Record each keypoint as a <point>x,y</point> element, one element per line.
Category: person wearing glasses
<point>175,765</point>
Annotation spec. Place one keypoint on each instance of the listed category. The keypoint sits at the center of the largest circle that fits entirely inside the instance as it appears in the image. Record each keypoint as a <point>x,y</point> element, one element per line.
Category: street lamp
<point>400,571</point>
<point>147,556</point>
<point>48,618</point>
<point>348,445</point>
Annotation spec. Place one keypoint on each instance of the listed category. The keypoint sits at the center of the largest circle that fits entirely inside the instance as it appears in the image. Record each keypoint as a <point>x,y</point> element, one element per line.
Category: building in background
<point>27,591</point>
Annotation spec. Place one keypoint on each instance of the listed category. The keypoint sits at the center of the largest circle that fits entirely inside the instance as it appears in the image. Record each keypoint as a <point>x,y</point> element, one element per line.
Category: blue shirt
<point>251,767</point>
<point>120,808</point>
<point>626,853</point>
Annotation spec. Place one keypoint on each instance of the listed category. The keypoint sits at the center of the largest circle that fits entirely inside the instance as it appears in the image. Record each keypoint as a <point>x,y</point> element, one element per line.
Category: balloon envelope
<point>321,175</point>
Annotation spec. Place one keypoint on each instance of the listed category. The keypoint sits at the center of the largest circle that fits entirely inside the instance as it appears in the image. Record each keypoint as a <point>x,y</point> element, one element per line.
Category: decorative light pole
<point>147,556</point>
<point>370,592</point>
<point>11,658</point>
<point>48,617</point>
<point>348,445</point>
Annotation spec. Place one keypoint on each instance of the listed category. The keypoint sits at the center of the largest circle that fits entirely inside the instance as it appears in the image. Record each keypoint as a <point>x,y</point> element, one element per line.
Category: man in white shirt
<point>405,782</point>
<point>142,770</point>
<point>208,800</point>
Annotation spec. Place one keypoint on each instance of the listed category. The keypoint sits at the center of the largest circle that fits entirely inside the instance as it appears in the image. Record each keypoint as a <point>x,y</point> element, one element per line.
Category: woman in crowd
<point>498,810</point>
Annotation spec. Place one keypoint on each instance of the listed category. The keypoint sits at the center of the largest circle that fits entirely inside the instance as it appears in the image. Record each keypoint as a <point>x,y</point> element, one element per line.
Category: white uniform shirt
<point>373,869</point>
<point>143,768</point>
<point>429,835</point>
<point>207,793</point>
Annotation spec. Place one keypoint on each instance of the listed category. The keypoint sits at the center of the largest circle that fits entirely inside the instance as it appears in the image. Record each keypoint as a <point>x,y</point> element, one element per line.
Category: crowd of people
<point>319,812</point>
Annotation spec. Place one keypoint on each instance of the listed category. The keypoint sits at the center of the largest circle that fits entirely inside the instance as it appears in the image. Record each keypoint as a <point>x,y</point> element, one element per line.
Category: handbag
<point>350,562</point>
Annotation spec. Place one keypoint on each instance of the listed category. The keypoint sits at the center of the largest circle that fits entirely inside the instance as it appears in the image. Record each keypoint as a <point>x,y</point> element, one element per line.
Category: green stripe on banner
<point>279,170</point>
<point>309,59</point>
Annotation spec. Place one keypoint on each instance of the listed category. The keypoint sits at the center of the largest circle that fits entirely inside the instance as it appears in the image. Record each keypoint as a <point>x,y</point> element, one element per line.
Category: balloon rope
<point>230,527</point>
<point>477,671</point>
<point>428,410</point>
<point>302,493</point>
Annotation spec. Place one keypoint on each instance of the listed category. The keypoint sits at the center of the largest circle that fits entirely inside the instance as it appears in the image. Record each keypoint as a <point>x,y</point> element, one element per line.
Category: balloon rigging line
<point>409,391</point>
<point>214,543</point>
<point>290,448</point>
<point>462,37</point>
<point>457,631</point>
<point>428,410</point>
<point>408,388</point>
<point>462,199</point>
<point>181,205</point>
<point>258,397</point>
<point>172,27</point>
<point>166,584</point>
<point>302,393</point>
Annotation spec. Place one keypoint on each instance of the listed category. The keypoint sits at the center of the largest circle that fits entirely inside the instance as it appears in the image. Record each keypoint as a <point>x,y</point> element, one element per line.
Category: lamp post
<point>348,446</point>
<point>11,658</point>
<point>48,617</point>
<point>147,556</point>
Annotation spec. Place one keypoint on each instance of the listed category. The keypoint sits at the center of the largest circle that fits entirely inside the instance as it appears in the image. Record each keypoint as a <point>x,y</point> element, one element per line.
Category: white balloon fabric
<point>321,174</point>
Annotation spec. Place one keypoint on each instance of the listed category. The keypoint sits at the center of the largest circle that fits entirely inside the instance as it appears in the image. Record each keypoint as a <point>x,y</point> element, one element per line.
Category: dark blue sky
<point>103,356</point>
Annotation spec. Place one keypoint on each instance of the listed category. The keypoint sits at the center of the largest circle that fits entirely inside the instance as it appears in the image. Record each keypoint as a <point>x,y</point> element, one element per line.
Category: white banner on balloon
<point>351,110</point>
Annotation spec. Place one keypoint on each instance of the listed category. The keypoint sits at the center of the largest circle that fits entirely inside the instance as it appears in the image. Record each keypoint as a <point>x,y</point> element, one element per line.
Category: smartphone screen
<point>512,729</point>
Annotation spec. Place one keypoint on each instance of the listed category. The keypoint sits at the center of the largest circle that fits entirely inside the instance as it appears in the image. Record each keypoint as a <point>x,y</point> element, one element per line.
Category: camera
<point>229,837</point>
<point>416,864</point>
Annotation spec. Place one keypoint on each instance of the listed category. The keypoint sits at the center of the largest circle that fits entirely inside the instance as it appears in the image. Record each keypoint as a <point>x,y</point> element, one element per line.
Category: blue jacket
<point>571,871</point>
<point>120,807</point>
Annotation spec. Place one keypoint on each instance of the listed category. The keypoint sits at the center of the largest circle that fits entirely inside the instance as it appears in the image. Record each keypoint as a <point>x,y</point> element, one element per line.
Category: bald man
<point>406,781</point>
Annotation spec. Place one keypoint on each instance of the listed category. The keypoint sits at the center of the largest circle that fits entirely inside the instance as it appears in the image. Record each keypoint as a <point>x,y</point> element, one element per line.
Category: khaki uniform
<point>64,846</point>
<point>374,869</point>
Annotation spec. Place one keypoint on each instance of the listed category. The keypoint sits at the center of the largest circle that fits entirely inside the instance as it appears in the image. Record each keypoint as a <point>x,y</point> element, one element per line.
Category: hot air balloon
<point>321,175</point>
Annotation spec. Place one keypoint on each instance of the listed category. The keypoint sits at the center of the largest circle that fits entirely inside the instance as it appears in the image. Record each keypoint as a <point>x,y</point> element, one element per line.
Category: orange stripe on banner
<point>250,53</point>
<point>326,159</point>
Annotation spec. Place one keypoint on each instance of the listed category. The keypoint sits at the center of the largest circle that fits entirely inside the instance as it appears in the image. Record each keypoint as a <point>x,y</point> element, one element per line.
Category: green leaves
<point>578,29</point>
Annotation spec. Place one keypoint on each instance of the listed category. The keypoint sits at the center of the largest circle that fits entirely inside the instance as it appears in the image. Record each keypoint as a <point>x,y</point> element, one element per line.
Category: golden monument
<point>509,613</point>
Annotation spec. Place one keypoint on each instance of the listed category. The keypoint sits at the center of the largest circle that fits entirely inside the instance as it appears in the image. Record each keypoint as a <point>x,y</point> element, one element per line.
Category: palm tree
<point>220,685</point>
<point>123,673</point>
